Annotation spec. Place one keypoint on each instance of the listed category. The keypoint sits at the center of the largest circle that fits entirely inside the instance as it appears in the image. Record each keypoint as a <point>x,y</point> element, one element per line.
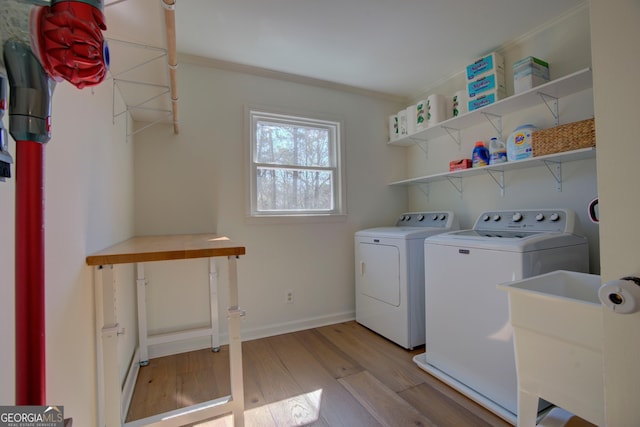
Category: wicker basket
<point>571,136</point>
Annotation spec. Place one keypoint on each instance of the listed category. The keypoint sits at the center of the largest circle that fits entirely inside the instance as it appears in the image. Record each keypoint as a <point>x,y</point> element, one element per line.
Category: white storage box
<point>490,82</point>
<point>557,324</point>
<point>529,73</point>
<point>491,63</point>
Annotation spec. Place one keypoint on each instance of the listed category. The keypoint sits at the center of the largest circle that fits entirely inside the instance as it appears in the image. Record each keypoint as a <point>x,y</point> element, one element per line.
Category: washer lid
<point>401,232</point>
<point>508,240</point>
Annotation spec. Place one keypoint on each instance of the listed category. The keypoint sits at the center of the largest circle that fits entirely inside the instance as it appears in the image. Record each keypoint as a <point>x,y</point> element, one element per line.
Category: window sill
<point>295,219</point>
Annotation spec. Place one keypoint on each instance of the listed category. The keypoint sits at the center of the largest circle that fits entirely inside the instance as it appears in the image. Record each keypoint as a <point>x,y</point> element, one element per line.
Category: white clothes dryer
<point>469,340</point>
<point>390,275</point>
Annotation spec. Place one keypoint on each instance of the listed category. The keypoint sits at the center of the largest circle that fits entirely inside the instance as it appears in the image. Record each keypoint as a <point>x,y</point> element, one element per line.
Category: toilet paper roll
<point>421,114</point>
<point>460,103</point>
<point>403,129</point>
<point>621,296</point>
<point>412,118</point>
<point>437,110</point>
<point>393,127</point>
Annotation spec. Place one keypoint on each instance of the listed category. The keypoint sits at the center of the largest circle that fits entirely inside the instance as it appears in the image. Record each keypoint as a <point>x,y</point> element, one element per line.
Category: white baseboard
<point>130,383</point>
<point>298,325</point>
<point>166,349</point>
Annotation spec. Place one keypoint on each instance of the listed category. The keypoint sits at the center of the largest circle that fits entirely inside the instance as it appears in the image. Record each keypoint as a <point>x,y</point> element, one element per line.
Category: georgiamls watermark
<point>31,416</point>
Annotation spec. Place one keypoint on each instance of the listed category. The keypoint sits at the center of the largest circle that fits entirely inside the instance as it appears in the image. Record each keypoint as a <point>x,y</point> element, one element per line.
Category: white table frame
<point>110,406</point>
<point>145,340</point>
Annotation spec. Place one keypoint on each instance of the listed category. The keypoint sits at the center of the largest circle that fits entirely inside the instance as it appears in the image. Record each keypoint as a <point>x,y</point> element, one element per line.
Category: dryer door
<point>379,272</point>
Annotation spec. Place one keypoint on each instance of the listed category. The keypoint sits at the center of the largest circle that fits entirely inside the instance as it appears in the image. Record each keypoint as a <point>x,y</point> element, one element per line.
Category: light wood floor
<point>337,375</point>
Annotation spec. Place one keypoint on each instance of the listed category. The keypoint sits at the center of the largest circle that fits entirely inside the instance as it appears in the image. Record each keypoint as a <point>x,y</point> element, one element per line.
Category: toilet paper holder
<point>621,296</point>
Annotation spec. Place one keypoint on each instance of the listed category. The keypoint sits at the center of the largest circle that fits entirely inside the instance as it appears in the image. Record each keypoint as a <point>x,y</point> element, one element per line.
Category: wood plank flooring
<point>337,375</point>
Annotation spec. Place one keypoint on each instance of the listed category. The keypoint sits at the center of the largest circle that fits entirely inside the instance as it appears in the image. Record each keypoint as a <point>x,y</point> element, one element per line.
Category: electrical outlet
<point>289,296</point>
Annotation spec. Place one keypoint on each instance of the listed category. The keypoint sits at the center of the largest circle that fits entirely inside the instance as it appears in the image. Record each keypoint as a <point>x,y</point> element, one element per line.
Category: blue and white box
<point>488,83</point>
<point>491,63</point>
<point>486,99</point>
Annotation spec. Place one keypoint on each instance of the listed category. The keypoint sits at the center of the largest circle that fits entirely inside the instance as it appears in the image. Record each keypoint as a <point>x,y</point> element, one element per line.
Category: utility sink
<point>557,323</point>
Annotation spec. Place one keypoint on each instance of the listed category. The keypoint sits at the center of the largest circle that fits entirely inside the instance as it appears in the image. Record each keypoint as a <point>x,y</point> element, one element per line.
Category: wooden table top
<point>163,248</point>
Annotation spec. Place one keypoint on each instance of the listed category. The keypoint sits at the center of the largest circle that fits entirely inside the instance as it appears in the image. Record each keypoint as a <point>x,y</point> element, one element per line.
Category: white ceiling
<point>397,47</point>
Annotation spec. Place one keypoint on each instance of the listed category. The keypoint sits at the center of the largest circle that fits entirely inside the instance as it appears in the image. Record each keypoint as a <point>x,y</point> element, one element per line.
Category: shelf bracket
<point>422,143</point>
<point>552,104</point>
<point>457,183</point>
<point>454,134</point>
<point>496,122</point>
<point>557,174</point>
<point>424,146</point>
<point>498,178</point>
<point>424,189</point>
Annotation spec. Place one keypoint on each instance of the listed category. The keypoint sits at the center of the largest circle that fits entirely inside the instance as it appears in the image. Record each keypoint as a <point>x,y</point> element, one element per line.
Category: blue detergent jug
<point>480,156</point>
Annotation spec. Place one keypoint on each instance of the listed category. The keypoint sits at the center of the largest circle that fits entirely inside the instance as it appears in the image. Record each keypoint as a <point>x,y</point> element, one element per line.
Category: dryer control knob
<point>554,217</point>
<point>486,217</point>
<point>540,217</point>
<point>497,217</point>
<point>420,218</point>
<point>442,217</point>
<point>517,217</point>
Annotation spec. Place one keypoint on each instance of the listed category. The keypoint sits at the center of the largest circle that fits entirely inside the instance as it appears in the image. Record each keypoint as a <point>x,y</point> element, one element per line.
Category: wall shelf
<point>553,162</point>
<point>548,92</point>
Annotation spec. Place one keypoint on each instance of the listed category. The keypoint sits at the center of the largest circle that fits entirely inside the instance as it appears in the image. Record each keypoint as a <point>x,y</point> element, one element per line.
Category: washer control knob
<point>408,218</point>
<point>420,218</point>
<point>554,217</point>
<point>497,217</point>
<point>442,217</point>
<point>540,217</point>
<point>486,217</point>
<point>517,217</point>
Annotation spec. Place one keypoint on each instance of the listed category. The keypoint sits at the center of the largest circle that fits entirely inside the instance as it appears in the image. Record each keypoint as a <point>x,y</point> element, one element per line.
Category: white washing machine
<point>390,275</point>
<point>469,341</point>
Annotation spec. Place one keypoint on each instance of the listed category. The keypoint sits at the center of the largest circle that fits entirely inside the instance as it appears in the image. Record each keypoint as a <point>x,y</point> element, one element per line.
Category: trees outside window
<point>295,165</point>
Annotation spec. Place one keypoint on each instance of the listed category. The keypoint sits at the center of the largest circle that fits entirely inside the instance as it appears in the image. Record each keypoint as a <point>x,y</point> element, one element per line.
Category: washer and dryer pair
<point>425,280</point>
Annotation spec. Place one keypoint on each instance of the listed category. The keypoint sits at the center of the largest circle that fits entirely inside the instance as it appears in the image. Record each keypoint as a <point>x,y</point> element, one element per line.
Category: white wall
<point>89,205</point>
<point>194,182</point>
<point>565,44</point>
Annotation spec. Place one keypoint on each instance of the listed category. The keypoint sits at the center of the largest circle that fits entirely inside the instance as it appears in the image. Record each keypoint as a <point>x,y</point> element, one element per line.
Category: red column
<point>30,295</point>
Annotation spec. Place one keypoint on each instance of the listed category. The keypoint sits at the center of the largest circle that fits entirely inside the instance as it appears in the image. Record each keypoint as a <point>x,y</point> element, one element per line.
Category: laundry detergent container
<point>557,323</point>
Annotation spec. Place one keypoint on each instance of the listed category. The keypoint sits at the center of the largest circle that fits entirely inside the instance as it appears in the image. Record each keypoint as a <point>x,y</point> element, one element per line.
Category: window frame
<point>253,115</point>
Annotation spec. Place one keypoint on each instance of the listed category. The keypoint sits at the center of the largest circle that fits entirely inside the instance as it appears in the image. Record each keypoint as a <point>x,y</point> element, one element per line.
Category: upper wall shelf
<point>564,86</point>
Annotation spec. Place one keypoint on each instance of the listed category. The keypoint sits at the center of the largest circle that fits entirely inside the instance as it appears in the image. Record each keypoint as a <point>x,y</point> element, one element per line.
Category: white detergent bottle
<point>497,151</point>
<point>519,143</point>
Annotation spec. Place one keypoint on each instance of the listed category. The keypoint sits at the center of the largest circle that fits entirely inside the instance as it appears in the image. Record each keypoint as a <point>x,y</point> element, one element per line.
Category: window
<point>295,165</point>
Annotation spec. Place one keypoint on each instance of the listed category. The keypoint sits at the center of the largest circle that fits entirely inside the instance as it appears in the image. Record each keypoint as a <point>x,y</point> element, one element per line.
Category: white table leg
<point>213,303</point>
<point>109,403</point>
<point>141,295</point>
<point>235,346</point>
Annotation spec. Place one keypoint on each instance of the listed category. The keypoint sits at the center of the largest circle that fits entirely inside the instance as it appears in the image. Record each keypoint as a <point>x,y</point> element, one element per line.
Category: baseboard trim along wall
<point>166,349</point>
<point>130,383</point>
